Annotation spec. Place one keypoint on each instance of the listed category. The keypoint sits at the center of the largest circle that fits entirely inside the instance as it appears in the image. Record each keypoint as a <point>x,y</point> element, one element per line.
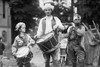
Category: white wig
<point>19,25</point>
<point>48,5</point>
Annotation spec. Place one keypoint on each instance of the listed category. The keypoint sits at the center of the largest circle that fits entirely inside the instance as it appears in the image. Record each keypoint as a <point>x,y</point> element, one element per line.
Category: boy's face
<point>77,20</point>
<point>23,28</point>
<point>48,11</point>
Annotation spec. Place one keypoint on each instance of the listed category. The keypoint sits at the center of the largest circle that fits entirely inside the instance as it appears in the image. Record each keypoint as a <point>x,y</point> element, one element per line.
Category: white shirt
<point>48,27</point>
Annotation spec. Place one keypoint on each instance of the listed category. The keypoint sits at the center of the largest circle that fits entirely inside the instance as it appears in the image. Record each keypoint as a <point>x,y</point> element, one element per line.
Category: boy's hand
<point>55,27</point>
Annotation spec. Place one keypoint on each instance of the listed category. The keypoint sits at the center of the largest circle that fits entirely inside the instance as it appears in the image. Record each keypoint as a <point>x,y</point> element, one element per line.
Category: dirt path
<point>37,59</point>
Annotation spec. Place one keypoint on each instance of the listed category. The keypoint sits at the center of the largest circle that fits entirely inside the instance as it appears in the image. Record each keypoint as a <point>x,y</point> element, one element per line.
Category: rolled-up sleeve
<point>59,24</point>
<point>39,31</point>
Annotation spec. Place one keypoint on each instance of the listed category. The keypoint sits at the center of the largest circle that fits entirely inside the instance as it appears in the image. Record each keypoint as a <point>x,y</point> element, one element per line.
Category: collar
<point>49,17</point>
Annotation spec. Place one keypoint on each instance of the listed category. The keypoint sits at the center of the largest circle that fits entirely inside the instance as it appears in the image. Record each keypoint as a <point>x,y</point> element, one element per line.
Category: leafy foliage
<point>24,10</point>
<point>90,10</point>
<point>63,13</point>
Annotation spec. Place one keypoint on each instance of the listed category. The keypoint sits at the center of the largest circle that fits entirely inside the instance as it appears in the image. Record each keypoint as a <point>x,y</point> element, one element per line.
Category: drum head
<point>39,40</point>
<point>23,51</point>
<point>45,38</point>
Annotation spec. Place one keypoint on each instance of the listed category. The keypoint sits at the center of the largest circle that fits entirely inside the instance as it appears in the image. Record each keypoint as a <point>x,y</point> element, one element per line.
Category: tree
<point>90,10</point>
<point>24,10</point>
<point>63,13</point>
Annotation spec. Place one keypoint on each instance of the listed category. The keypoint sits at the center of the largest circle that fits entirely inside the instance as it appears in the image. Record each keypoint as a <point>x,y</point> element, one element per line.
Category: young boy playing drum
<point>46,25</point>
<point>22,40</point>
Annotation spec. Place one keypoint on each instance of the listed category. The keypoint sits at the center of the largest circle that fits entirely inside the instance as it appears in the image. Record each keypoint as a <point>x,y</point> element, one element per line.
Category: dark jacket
<point>2,47</point>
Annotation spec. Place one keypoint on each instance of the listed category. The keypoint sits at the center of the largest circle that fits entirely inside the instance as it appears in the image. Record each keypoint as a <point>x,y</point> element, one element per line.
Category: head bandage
<point>19,25</point>
<point>46,6</point>
<point>76,16</point>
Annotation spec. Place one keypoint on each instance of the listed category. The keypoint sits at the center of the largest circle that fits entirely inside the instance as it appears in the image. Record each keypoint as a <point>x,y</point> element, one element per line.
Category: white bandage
<point>76,16</point>
<point>46,6</point>
<point>19,25</point>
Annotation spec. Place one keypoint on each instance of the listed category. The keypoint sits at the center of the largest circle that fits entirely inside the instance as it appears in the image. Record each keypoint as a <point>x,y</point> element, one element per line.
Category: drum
<point>48,42</point>
<point>22,52</point>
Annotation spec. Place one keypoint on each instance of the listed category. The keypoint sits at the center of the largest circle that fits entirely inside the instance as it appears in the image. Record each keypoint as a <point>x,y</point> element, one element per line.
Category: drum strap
<point>55,31</point>
<point>53,21</point>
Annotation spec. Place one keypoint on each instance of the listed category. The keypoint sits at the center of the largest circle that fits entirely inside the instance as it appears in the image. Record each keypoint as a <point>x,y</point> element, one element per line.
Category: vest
<point>53,22</point>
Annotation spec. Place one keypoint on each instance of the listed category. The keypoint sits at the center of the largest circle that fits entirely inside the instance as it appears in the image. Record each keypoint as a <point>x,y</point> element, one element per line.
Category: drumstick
<point>90,27</point>
<point>94,24</point>
<point>96,28</point>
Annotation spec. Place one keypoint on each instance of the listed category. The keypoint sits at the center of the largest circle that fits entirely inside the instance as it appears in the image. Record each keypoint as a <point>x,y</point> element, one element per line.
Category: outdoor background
<point>30,12</point>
